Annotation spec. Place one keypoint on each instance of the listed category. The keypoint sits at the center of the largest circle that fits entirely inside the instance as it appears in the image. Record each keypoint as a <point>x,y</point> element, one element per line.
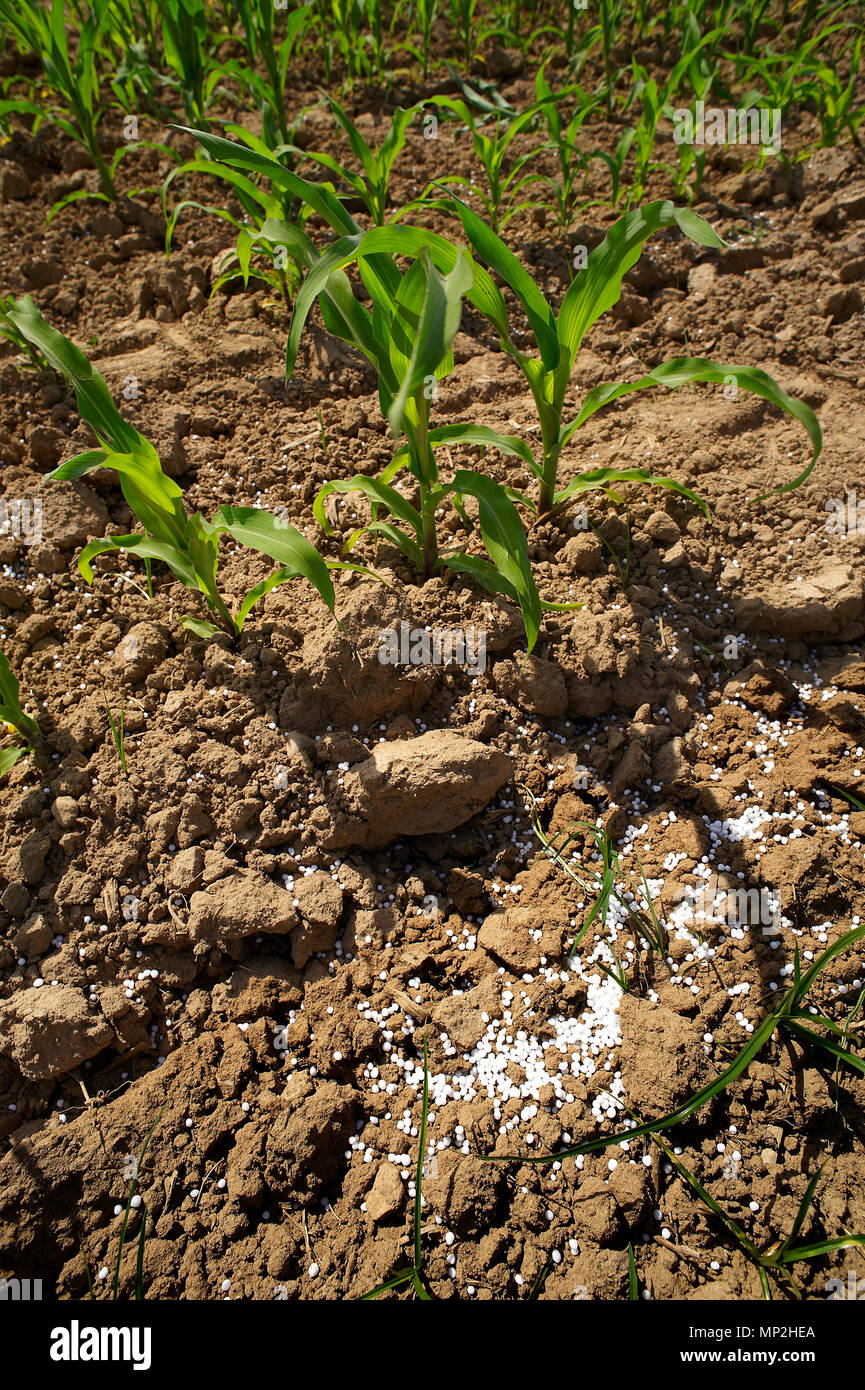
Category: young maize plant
<point>371,184</point>
<point>186,42</point>
<point>13,718</point>
<point>272,232</point>
<point>835,109</point>
<point>188,545</point>
<point>69,97</point>
<point>425,13</point>
<point>573,162</point>
<point>504,177</point>
<point>263,46</point>
<point>785,78</point>
<point>408,337</point>
<point>352,30</point>
<point>558,338</point>
<point>657,102</point>
<point>462,17</point>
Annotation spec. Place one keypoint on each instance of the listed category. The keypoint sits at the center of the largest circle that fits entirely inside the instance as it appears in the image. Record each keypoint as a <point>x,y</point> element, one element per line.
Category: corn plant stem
<point>549,472</point>
<point>106,182</point>
<point>222,612</point>
<point>426,475</point>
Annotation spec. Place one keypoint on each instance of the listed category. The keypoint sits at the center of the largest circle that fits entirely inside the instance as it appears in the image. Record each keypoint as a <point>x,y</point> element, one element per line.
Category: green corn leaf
<point>9,757</point>
<point>270,535</point>
<point>249,194</point>
<point>505,539</point>
<point>154,497</point>
<point>94,398</point>
<point>324,202</point>
<point>79,466</point>
<point>442,435</point>
<point>405,240</point>
<point>378,493</point>
<point>429,310</point>
<point>200,627</point>
<point>326,277</point>
<point>146,548</point>
<point>258,591</point>
<point>483,571</point>
<point>500,258</point>
<point>10,702</point>
<point>680,370</point>
<point>597,287</point>
<point>359,148</point>
<point>602,478</point>
<point>409,547</point>
<point>331,163</point>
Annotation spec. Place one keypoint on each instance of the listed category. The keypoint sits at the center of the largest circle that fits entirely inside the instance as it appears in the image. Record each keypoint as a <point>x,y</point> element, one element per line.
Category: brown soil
<point>245,940</point>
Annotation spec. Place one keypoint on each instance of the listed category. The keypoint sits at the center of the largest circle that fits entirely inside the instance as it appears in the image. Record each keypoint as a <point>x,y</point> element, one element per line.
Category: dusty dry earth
<point>316,859</point>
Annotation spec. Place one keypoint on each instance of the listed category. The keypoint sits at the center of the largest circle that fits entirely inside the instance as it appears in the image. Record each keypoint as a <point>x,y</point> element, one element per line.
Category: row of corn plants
<point>150,56</point>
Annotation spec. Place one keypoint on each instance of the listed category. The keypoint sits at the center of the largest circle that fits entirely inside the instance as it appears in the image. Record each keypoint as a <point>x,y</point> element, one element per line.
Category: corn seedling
<point>408,338</point>
<point>558,338</point>
<point>462,13</point>
<point>573,162</point>
<point>835,109</point>
<point>264,46</point>
<point>185,43</point>
<point>69,96</point>
<point>188,545</point>
<point>341,30</point>
<point>414,1274</point>
<point>272,232</point>
<point>424,13</point>
<point>370,184</point>
<point>118,731</point>
<point>482,96</point>
<point>784,75</point>
<point>610,14</point>
<point>657,102</point>
<point>505,177</point>
<point>13,718</point>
